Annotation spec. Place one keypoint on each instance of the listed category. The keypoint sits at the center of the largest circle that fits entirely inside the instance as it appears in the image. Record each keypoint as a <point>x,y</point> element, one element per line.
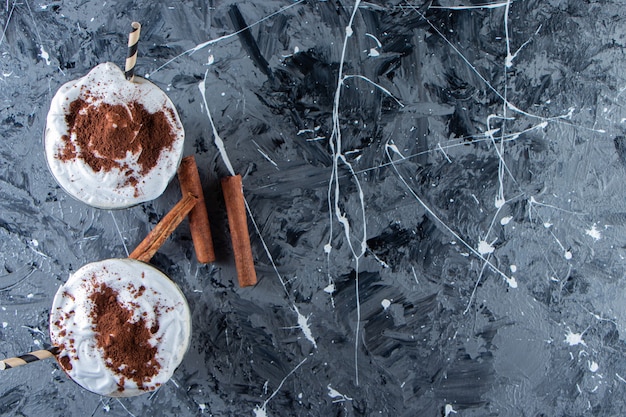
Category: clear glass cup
<point>128,183</point>
<point>122,327</point>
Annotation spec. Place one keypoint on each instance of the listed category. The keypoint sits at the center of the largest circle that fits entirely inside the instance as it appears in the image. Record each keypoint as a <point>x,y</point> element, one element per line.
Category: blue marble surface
<point>436,195</point>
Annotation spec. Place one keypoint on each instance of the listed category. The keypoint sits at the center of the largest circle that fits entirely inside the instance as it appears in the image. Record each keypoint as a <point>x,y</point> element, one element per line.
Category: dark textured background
<point>433,146</point>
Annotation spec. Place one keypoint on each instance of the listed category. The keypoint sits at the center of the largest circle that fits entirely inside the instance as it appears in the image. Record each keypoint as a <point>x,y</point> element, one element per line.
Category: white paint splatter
<point>506,220</point>
<point>593,366</point>
<point>259,411</point>
<point>267,157</point>
<point>485,248</point>
<point>509,280</point>
<point>219,143</point>
<point>447,158</point>
<point>478,6</point>
<point>378,86</point>
<point>380,45</point>
<point>594,233</point>
<point>336,395</point>
<point>510,57</point>
<point>513,268</point>
<point>334,192</point>
<point>491,132</point>
<point>448,409</point>
<point>330,288</point>
<point>574,339</point>
<point>373,52</point>
<point>303,323</point>
<point>547,225</point>
<point>44,54</point>
<point>395,149</point>
<point>4,324</point>
<point>415,275</point>
<point>316,138</point>
<point>385,303</point>
<point>568,255</point>
<point>224,37</point>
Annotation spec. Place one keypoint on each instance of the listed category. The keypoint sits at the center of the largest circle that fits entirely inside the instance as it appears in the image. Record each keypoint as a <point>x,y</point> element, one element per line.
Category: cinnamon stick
<point>189,179</point>
<point>155,239</point>
<point>232,189</point>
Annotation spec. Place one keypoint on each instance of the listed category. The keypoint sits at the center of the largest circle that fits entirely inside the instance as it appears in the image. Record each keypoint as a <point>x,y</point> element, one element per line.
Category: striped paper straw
<point>131,58</point>
<point>28,358</point>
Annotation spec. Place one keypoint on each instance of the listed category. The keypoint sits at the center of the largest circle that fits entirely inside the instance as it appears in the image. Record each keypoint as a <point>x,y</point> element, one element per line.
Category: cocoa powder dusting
<point>105,133</point>
<point>65,363</point>
<point>126,345</point>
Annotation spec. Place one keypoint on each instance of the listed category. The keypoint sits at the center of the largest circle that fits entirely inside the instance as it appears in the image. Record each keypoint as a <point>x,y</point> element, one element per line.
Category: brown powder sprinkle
<point>105,133</point>
<point>68,295</point>
<point>65,362</point>
<point>126,344</point>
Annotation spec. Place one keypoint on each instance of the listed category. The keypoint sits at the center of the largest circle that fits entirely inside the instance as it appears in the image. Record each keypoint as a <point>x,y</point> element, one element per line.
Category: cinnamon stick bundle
<point>232,188</point>
<point>189,179</point>
<point>157,236</point>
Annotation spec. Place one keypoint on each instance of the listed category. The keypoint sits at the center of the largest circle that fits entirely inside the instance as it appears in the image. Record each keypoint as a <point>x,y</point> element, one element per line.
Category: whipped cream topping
<point>128,182</point>
<point>155,307</point>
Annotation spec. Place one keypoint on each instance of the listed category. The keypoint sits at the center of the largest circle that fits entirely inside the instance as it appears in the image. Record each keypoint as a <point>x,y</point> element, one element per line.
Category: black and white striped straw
<point>28,358</point>
<point>131,58</point>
